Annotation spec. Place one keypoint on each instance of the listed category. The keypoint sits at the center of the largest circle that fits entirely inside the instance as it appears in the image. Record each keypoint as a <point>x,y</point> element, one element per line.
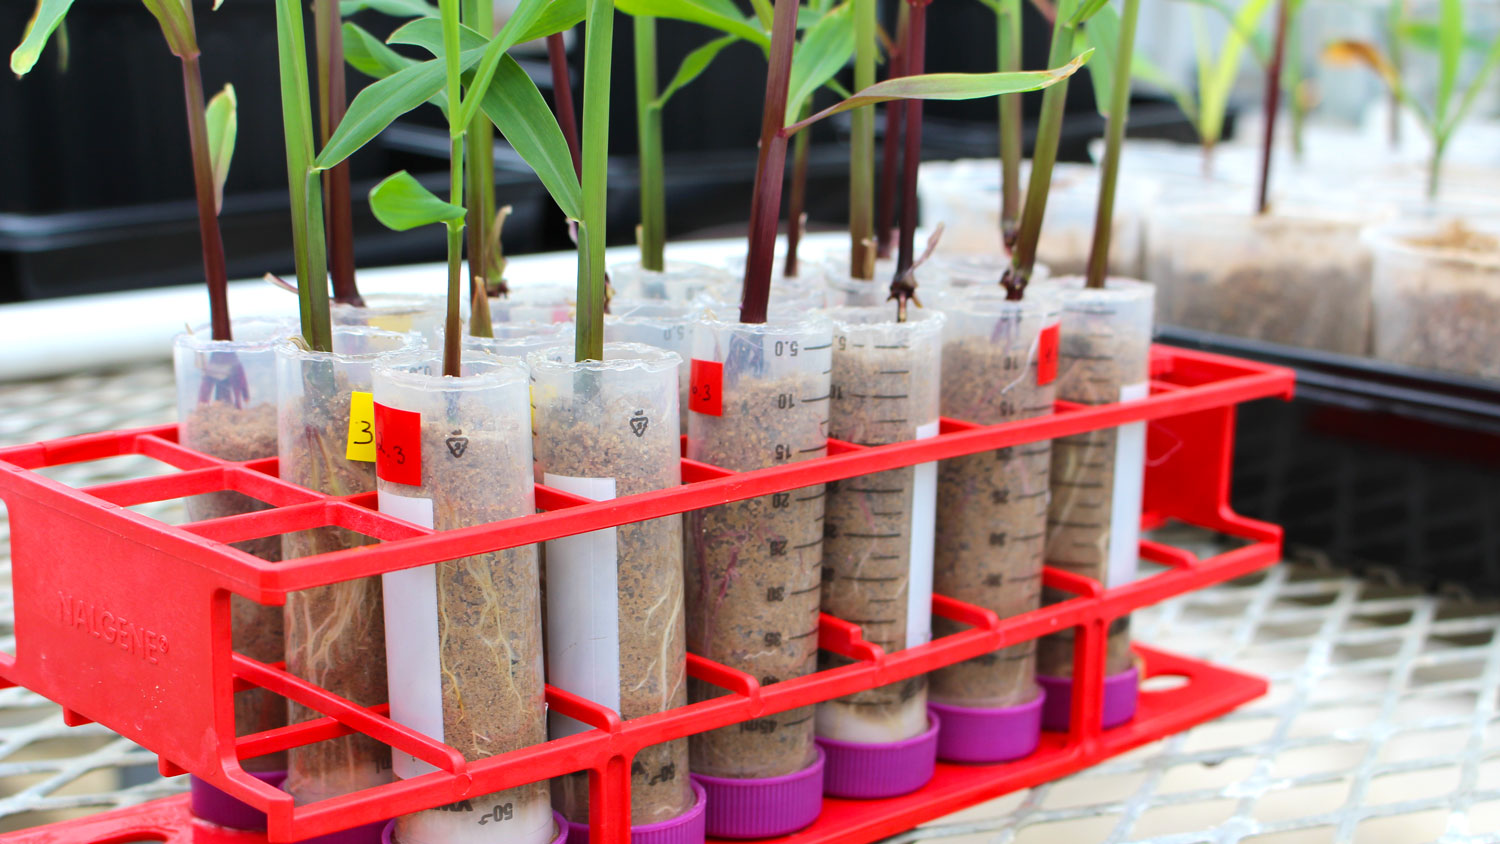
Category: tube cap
<point>211,804</point>
<point>388,830</point>
<point>765,807</point>
<point>987,735</point>
<point>1121,692</point>
<point>885,769</point>
<point>686,828</point>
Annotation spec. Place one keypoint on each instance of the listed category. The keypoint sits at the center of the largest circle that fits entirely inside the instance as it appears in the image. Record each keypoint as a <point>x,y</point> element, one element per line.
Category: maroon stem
<point>885,201</point>
<point>916,49</point>
<point>338,215</point>
<point>562,97</point>
<point>795,204</point>
<point>765,207</point>
<point>1273,100</point>
<point>208,213</point>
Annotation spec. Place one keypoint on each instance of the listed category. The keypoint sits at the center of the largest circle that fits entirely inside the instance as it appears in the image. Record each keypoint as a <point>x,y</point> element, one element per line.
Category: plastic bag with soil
<point>1437,295</point>
<point>1094,520</point>
<point>878,532</point>
<point>992,507</point>
<point>754,567</point>
<point>615,621</point>
<point>1297,276</point>
<point>335,634</point>
<point>226,407</point>
<point>664,325</point>
<point>464,650</point>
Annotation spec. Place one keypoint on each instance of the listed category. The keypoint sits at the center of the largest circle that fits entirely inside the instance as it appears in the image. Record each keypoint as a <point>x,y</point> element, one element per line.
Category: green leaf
<point>559,16</point>
<point>369,55</point>
<point>1424,36</point>
<point>519,22</point>
<point>1259,43</point>
<point>824,50</point>
<point>1087,11</point>
<point>949,86</point>
<point>1102,33</point>
<point>693,64</point>
<point>765,13</point>
<point>394,8</point>
<point>400,202</point>
<point>513,103</point>
<point>1450,52</point>
<point>1220,75</point>
<point>48,14</point>
<point>223,126</point>
<point>176,25</point>
<point>380,103</point>
<point>709,13</point>
<point>1491,61</point>
<point>427,33</point>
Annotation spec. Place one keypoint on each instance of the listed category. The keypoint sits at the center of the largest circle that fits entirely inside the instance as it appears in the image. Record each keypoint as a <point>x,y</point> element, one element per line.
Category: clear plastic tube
<point>664,325</point>
<point>1296,275</point>
<point>334,634</point>
<point>878,533</point>
<point>754,567</point>
<point>957,272</point>
<point>546,303</point>
<point>615,633</point>
<point>1094,520</point>
<point>464,637</point>
<point>398,312</point>
<point>1437,295</point>
<point>844,290</point>
<point>682,281</point>
<point>226,407</point>
<point>992,507</point>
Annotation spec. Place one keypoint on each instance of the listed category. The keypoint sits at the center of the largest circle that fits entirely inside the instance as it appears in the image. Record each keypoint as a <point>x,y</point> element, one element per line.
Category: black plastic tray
<point>1373,466</point>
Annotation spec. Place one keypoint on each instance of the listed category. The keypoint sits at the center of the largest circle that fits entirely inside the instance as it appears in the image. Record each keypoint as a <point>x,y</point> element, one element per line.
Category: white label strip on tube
<point>1130,477</point>
<point>583,610</point>
<point>413,665</point>
<point>923,530</point>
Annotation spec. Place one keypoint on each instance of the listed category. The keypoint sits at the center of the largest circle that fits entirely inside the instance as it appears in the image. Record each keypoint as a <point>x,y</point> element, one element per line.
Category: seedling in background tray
<point>211,135</point>
<point>1445,37</point>
<point>468,74</point>
<point>1113,36</point>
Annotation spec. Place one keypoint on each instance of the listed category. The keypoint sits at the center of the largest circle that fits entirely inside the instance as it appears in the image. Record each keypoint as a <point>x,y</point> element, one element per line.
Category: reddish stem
<point>904,284</point>
<point>337,203</point>
<point>562,97</point>
<point>765,207</point>
<point>795,204</point>
<point>214,271</point>
<point>1273,101</point>
<point>885,201</point>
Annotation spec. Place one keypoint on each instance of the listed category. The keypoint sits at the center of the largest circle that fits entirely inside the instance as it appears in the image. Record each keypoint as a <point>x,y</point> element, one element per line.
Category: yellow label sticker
<point>361,427</point>
<point>399,323</point>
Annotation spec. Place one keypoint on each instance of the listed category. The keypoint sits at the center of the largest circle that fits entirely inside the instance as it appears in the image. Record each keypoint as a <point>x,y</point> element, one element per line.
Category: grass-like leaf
<point>48,15</point>
<point>558,16</point>
<point>176,25</point>
<point>400,202</point>
<point>223,126</point>
<point>518,110</point>
<point>394,8</point>
<point>427,33</point>
<point>693,64</point>
<point>823,51</point>
<point>1450,52</point>
<point>949,86</point>
<point>369,55</point>
<point>723,16</point>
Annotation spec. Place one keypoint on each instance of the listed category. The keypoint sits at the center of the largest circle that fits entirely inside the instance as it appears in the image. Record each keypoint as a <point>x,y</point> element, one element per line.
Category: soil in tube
<point>992,507</point>
<point>1438,298</point>
<point>884,390</point>
<point>489,625</point>
<point>335,635</point>
<point>1299,281</point>
<point>754,570</point>
<point>243,433</point>
<point>579,435</point>
<point>1103,349</point>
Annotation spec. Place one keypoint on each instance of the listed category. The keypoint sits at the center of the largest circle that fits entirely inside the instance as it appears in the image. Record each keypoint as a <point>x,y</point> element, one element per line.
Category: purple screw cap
<point>988,735</point>
<point>686,828</point>
<point>1121,692</point>
<point>211,804</point>
<point>887,769</point>
<point>765,807</point>
<point>388,830</point>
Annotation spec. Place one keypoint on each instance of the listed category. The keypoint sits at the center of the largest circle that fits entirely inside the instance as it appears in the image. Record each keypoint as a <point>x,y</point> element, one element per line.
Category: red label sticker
<point>1046,355</point>
<point>706,392</point>
<point>398,445</point>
